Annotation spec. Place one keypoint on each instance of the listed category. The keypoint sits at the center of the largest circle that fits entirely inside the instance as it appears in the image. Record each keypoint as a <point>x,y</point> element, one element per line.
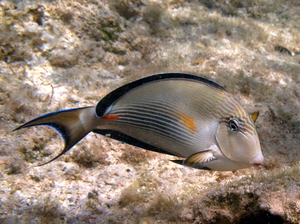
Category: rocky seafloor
<point>64,54</point>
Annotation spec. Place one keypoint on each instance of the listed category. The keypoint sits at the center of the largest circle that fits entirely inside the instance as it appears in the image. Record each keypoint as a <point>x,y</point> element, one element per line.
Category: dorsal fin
<point>105,102</point>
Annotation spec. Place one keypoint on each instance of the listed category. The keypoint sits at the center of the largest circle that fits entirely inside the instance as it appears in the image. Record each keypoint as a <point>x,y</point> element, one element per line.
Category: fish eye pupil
<point>233,125</point>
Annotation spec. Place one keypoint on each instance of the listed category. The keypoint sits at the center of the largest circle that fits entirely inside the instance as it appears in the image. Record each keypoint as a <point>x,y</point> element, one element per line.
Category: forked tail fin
<point>72,124</point>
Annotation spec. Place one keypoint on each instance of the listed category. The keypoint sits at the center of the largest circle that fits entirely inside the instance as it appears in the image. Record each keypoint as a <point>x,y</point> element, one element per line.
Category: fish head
<point>238,141</point>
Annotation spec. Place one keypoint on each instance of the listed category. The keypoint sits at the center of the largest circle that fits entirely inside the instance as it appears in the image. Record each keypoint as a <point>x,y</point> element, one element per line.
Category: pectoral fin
<point>196,166</point>
<point>200,157</point>
<point>197,160</point>
<point>254,116</point>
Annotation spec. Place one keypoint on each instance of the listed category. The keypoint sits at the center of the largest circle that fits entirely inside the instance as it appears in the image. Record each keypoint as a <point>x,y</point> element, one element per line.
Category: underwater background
<point>64,54</point>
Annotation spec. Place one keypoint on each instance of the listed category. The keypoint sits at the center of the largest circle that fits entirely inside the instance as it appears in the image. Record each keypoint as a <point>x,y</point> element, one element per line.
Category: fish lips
<point>257,160</point>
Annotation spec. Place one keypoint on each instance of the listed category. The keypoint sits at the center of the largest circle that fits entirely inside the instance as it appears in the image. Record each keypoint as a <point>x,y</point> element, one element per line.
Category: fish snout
<point>257,160</point>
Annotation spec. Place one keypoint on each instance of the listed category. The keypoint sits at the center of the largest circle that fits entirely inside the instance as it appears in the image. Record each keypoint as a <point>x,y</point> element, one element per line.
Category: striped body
<point>161,119</point>
<point>174,113</point>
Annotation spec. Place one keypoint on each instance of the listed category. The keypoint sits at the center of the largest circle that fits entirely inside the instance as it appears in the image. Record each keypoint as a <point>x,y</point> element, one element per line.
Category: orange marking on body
<point>110,117</point>
<point>189,122</point>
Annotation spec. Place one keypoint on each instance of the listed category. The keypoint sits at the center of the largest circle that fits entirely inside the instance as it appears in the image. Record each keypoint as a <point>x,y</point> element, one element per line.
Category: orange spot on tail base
<point>110,117</point>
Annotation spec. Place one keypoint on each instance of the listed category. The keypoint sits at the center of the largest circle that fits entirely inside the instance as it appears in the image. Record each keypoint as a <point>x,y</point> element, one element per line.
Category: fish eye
<point>233,125</point>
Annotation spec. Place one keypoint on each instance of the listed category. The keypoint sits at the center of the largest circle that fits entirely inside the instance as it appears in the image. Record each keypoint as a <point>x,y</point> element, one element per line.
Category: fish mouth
<point>257,160</point>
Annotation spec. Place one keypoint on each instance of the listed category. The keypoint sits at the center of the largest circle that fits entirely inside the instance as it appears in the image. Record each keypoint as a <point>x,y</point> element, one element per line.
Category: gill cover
<point>234,142</point>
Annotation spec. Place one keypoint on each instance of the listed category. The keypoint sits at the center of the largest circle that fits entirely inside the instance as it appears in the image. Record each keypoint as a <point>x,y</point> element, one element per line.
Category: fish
<point>178,114</point>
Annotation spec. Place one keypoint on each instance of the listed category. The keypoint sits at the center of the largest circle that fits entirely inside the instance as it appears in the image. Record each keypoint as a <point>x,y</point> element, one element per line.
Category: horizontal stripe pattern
<point>158,118</point>
<point>184,113</point>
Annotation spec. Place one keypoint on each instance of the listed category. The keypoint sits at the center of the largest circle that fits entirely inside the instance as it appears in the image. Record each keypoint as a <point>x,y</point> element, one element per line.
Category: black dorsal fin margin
<point>106,101</point>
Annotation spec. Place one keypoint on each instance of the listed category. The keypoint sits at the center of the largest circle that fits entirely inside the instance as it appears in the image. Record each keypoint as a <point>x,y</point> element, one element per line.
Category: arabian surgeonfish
<point>174,113</point>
